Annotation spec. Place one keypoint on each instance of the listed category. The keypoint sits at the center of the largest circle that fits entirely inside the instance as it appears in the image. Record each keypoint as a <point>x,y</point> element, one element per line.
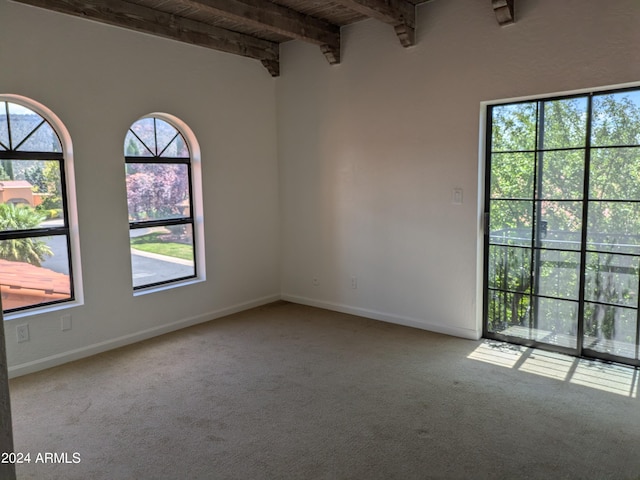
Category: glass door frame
<point>537,228</point>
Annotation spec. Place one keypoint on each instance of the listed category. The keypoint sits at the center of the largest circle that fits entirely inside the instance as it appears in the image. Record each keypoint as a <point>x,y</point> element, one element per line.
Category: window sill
<point>168,286</point>
<point>41,310</point>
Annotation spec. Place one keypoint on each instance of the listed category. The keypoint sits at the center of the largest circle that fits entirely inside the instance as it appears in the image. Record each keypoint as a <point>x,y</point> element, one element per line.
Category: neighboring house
<point>25,284</point>
<point>19,192</point>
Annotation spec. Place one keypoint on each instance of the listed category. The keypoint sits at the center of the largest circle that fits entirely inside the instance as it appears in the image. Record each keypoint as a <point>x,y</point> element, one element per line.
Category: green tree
<point>132,149</point>
<point>51,174</point>
<point>35,176</point>
<point>7,166</point>
<point>31,250</point>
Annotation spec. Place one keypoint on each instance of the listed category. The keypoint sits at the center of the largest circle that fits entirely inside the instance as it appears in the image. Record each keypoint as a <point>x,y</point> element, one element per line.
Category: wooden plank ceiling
<point>254,28</point>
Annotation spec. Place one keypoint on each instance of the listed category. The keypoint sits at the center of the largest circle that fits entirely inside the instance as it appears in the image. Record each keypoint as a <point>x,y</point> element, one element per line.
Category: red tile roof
<point>15,184</point>
<point>19,275</point>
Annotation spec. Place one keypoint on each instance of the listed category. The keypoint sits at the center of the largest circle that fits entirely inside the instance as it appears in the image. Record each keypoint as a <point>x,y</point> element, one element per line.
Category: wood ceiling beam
<point>400,14</point>
<point>504,10</point>
<point>264,15</point>
<point>143,19</point>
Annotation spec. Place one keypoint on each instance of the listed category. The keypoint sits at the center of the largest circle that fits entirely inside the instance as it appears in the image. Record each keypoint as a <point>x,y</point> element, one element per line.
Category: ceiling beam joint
<point>272,66</point>
<point>504,10</point>
<point>332,54</point>
<point>400,14</point>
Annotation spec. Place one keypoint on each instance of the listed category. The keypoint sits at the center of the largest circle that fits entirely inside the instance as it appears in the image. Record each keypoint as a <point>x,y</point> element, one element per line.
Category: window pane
<point>615,174</point>
<point>509,313</point>
<point>562,174</point>
<point>157,191</point>
<point>565,123</point>
<point>514,127</point>
<point>33,271</point>
<point>133,147</point>
<point>510,222</point>
<point>612,278</point>
<point>177,148</point>
<point>614,226</point>
<point>23,122</point>
<point>560,224</point>
<point>44,139</point>
<point>512,175</point>
<point>161,254</point>
<point>610,329</point>
<point>510,268</point>
<point>557,322</point>
<point>30,194</point>
<point>616,119</point>
<point>145,130</point>
<point>165,134</point>
<point>559,274</point>
<point>155,137</point>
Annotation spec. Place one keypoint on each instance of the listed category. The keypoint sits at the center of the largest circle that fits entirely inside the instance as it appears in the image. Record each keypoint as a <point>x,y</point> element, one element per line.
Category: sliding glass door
<point>562,229</point>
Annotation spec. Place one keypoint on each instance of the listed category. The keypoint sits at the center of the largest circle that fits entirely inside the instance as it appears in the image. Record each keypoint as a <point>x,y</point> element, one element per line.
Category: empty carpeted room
<point>322,240</point>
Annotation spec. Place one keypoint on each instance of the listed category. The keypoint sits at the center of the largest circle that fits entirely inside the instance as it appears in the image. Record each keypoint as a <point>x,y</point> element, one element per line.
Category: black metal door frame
<point>536,226</point>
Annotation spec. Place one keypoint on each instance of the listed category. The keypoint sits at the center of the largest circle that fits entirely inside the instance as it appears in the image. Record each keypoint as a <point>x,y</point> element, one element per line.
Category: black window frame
<point>158,158</point>
<point>12,153</point>
<point>537,226</point>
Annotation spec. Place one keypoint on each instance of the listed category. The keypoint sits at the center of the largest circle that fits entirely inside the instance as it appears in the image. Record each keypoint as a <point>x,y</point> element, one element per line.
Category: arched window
<point>35,240</point>
<point>160,202</point>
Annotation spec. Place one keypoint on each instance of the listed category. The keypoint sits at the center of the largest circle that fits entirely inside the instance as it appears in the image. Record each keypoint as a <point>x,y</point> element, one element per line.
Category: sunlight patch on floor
<point>611,378</point>
<point>548,364</point>
<point>496,353</point>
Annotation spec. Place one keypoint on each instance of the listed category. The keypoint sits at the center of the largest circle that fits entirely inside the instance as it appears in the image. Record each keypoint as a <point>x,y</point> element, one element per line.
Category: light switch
<point>456,198</point>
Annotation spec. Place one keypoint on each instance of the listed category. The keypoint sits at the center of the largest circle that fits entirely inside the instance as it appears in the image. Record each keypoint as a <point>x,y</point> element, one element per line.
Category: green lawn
<point>151,243</point>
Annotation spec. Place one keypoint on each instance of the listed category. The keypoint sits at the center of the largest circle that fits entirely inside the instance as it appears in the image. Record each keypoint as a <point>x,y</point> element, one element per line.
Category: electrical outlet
<point>22,332</point>
<point>354,282</point>
<point>65,322</point>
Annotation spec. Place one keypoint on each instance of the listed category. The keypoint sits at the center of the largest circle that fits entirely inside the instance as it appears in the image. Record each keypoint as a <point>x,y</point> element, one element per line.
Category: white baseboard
<point>89,350</point>
<point>385,317</point>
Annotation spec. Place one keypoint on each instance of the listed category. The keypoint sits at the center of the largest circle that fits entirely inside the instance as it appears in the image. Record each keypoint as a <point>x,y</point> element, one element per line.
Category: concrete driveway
<point>146,267</point>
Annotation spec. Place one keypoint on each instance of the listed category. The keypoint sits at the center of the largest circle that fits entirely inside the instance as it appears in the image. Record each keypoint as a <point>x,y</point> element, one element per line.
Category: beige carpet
<point>293,392</point>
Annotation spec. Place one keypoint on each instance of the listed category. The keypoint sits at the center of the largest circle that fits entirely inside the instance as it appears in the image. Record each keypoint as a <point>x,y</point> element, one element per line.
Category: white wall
<point>356,163</point>
<point>370,150</point>
<point>98,80</point>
